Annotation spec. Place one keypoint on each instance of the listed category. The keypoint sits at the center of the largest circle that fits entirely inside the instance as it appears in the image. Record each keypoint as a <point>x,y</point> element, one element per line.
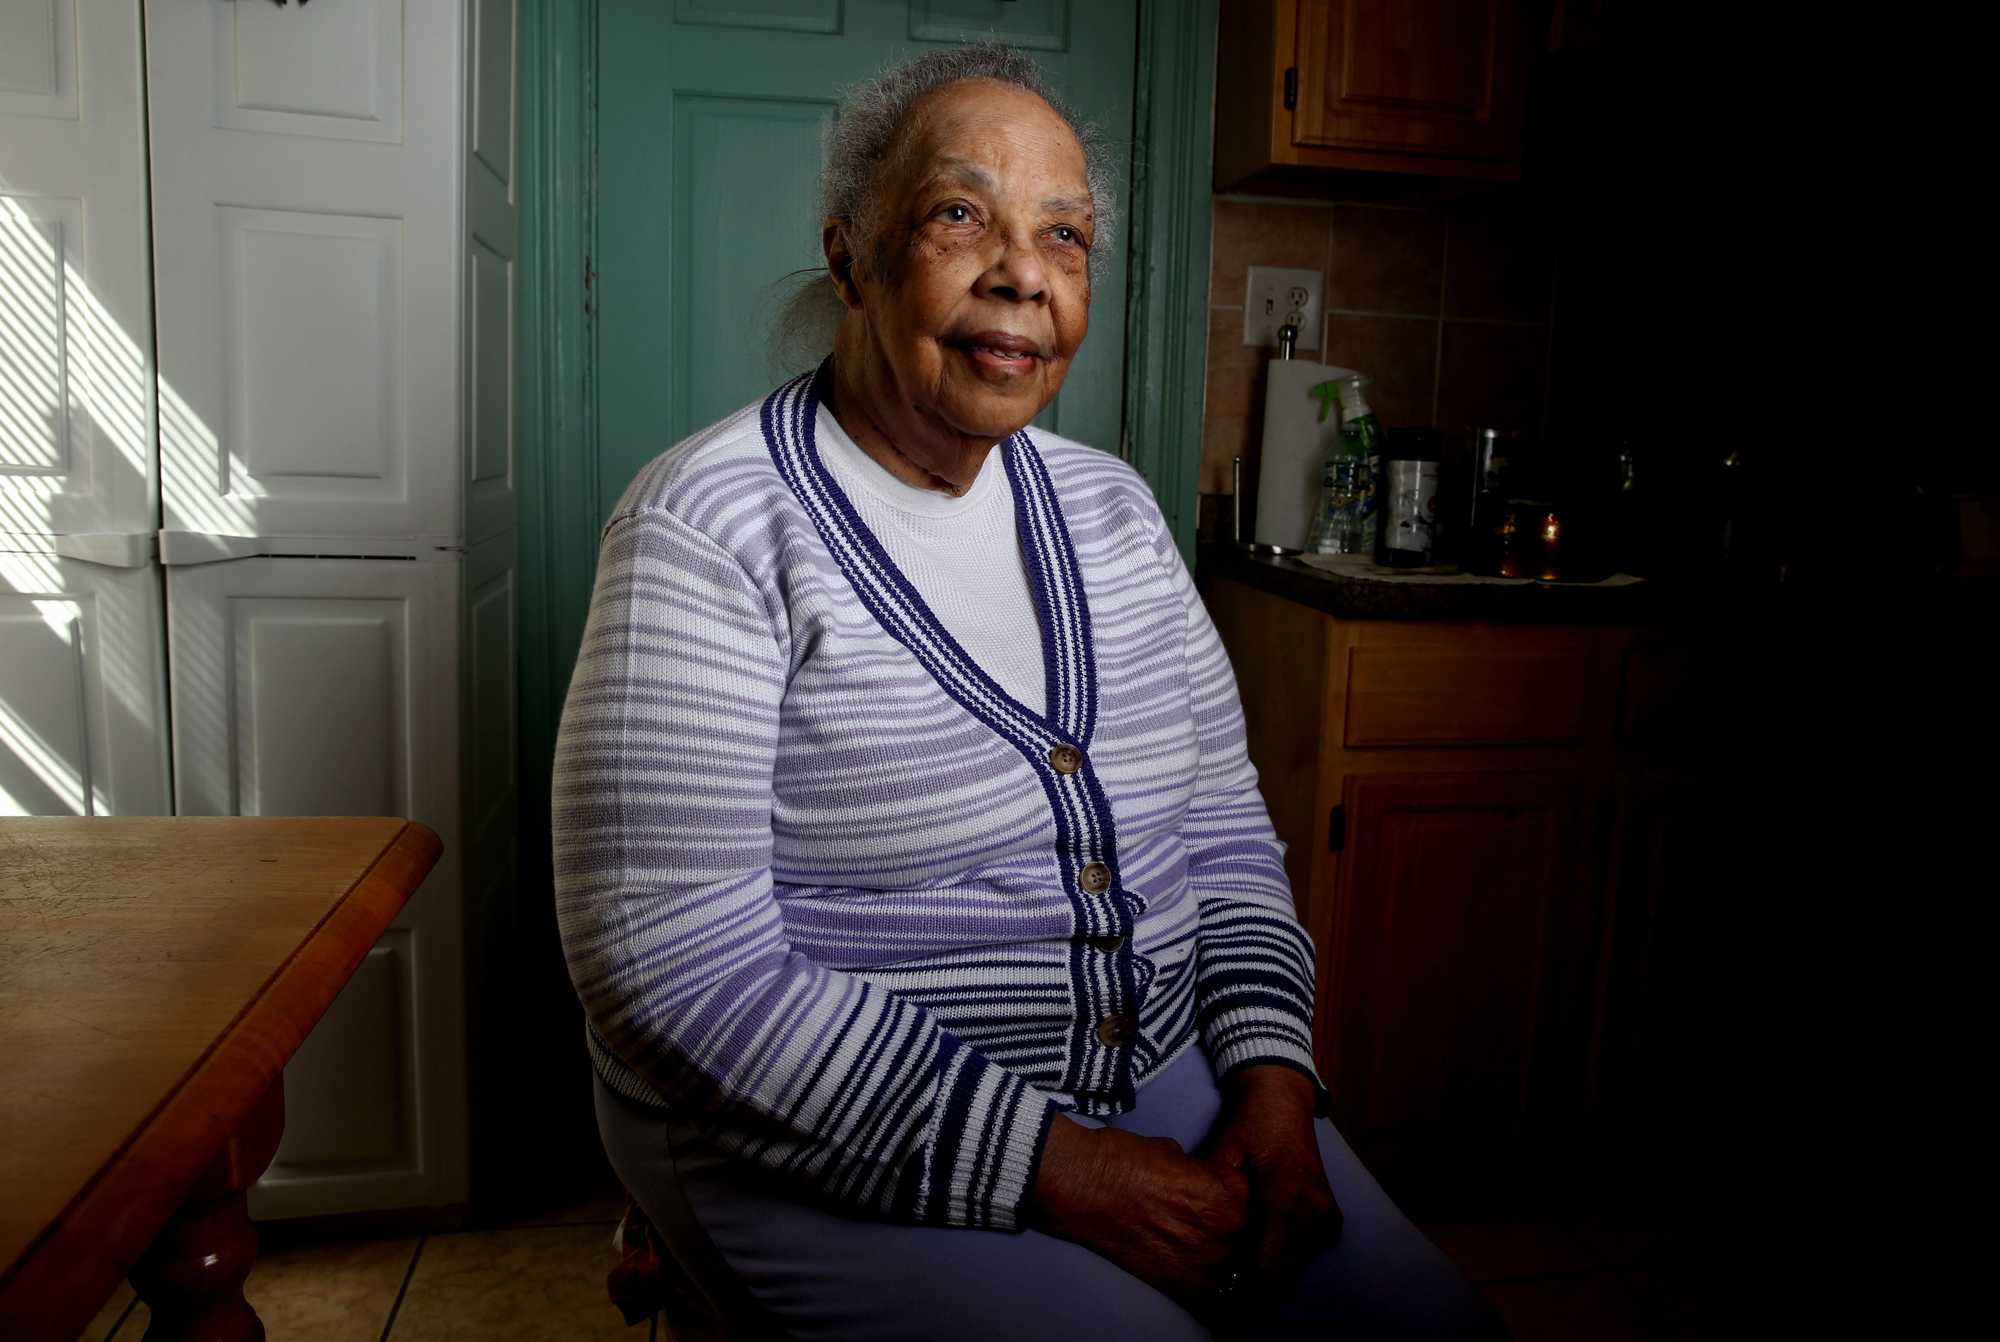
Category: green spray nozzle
<point>1329,396</point>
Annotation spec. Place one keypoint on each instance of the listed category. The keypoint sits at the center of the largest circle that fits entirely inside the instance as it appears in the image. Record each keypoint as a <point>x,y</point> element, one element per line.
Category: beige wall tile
<point>1399,354</point>
<point>1492,375</point>
<point>1383,260</point>
<point>1256,233</point>
<point>1233,410</point>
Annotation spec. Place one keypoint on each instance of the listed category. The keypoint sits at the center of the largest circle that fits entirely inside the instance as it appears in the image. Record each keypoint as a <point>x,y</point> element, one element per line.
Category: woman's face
<point>978,294</point>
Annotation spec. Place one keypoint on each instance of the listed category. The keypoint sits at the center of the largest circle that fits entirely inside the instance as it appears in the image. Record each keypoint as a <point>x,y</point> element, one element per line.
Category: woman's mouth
<point>998,357</point>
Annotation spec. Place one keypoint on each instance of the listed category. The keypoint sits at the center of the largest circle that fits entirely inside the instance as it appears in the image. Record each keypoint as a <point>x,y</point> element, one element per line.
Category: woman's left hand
<point>1266,1131</point>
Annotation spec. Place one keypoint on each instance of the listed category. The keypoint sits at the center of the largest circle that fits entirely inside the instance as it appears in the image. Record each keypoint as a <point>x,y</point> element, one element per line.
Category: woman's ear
<point>840,262</point>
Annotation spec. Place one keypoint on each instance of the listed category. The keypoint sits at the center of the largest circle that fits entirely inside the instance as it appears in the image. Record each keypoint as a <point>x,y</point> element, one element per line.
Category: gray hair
<point>863,132</point>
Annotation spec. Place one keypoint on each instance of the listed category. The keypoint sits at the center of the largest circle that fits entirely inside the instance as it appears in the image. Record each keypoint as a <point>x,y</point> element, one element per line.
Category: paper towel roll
<point>1296,443</point>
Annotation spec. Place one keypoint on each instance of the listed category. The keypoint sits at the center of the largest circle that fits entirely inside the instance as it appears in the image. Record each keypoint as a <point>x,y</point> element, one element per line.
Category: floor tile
<point>336,1291</point>
<point>602,1207</point>
<point>108,1317</point>
<point>1591,1308</point>
<point>1507,1250</point>
<point>513,1286</point>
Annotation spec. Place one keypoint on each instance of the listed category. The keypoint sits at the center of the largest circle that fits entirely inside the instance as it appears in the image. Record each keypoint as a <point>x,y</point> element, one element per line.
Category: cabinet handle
<point>1291,86</point>
<point>1336,828</point>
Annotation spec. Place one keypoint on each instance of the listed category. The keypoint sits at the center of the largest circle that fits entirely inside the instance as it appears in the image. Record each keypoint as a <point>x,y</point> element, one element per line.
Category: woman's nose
<point>1016,275</point>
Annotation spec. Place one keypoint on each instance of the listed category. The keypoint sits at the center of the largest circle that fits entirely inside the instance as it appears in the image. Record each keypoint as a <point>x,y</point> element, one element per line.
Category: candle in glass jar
<point>1551,556</point>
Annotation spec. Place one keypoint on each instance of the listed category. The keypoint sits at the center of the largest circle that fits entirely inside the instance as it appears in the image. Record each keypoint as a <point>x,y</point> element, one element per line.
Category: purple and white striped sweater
<point>821,879</point>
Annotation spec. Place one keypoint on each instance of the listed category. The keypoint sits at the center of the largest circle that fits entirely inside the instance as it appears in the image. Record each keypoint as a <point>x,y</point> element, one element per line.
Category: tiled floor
<point>1589,1282</point>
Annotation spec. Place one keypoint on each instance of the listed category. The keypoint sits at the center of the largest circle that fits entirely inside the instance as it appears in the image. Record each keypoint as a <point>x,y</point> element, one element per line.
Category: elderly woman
<point>941,973</point>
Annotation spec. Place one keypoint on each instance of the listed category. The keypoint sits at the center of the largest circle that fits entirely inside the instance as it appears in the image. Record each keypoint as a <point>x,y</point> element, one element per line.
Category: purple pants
<point>810,1272</point>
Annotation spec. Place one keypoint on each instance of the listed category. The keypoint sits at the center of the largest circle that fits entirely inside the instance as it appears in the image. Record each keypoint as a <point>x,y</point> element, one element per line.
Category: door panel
<point>1459,962</point>
<point>1038,25</point>
<point>708,120</point>
<point>1426,76</point>
<point>76,400</point>
<point>83,724</point>
<point>492,243</point>
<point>329,687</point>
<point>334,71</point>
<point>803,16</point>
<point>308,251</point>
<point>352,1097</point>
<point>727,226</point>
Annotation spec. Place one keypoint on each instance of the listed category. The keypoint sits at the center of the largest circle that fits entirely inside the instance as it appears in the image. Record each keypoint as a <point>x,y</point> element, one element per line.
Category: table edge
<point>70,1268</point>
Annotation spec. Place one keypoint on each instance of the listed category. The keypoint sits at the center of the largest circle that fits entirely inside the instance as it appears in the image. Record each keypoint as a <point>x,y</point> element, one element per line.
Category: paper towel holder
<point>1236,517</point>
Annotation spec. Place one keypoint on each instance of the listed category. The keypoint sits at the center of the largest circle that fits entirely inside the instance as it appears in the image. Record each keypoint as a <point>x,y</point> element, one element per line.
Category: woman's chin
<point>982,409</point>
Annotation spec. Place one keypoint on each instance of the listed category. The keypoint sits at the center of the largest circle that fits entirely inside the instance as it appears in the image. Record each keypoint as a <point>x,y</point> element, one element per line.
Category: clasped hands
<point>1253,1202</point>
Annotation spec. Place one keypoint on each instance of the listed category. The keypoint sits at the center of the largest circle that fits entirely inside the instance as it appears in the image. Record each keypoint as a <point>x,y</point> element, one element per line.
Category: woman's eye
<point>956,214</point>
<point>1064,233</point>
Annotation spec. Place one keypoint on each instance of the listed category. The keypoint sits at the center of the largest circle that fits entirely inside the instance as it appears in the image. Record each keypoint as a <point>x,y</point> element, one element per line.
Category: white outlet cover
<point>1266,304</point>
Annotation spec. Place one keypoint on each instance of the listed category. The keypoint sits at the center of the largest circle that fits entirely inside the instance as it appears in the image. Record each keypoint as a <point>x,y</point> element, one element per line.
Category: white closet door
<point>490,248</point>
<point>308,245</point>
<point>83,723</point>
<point>328,687</point>
<point>76,340</point>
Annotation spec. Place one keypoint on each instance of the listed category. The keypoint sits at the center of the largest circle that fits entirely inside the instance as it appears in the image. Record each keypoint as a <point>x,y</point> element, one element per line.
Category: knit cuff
<point>984,1145</point>
<point>1254,1036</point>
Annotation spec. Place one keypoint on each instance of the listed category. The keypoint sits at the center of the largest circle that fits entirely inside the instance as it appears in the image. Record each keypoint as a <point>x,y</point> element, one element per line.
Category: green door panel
<point>806,16</point>
<point>708,121</point>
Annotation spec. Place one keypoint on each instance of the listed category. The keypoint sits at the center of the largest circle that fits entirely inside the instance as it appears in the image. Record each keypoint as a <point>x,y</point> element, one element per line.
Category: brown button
<point>1115,1030</point>
<point>1095,878</point>
<point>1109,945</point>
<point>1065,759</point>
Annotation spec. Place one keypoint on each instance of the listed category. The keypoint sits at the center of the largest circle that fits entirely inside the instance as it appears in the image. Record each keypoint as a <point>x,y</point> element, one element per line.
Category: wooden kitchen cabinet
<point>1447,792</point>
<point>1305,88</point>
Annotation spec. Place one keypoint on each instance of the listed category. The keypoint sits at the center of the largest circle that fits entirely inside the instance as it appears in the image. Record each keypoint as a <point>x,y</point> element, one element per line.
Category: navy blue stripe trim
<point>1081,812</point>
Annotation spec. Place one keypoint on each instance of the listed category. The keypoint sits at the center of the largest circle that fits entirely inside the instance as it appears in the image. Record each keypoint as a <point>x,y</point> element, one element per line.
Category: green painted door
<point>708,121</point>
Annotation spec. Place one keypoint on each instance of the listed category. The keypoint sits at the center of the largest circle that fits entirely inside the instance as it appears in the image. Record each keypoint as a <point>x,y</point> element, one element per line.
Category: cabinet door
<point>1460,964</point>
<point>76,312</point>
<point>328,687</point>
<point>309,257</point>
<point>1419,76</point>
<point>83,722</point>
<point>1660,908</point>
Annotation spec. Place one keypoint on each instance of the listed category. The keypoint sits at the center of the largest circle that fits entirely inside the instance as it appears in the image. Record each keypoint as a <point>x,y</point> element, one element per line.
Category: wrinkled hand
<point>1266,1131</point>
<point>1142,1202</point>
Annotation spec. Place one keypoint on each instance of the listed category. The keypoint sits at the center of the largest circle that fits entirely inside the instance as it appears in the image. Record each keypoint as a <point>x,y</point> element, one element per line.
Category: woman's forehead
<point>983,131</point>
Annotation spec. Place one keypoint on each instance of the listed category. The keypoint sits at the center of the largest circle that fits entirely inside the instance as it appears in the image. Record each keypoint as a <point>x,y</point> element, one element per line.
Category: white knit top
<point>963,555</point>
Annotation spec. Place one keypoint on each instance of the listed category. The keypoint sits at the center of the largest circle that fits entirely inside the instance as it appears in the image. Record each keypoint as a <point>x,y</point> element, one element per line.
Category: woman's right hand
<point>1143,1203</point>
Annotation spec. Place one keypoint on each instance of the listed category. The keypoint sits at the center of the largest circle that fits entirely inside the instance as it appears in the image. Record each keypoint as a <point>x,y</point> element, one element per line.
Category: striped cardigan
<point>821,881</point>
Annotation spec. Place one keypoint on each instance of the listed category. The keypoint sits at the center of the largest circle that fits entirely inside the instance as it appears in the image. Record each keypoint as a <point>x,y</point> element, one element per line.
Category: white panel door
<point>307,236</point>
<point>83,722</point>
<point>76,317</point>
<point>490,249</point>
<point>329,687</point>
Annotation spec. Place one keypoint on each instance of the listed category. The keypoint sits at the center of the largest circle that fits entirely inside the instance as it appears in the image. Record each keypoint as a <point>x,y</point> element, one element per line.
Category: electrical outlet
<point>1270,299</point>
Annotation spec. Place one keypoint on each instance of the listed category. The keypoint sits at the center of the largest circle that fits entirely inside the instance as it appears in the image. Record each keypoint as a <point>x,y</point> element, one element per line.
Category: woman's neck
<point>849,397</point>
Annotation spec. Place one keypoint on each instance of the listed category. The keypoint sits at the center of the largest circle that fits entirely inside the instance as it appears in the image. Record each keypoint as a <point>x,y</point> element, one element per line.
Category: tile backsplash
<point>1445,307</point>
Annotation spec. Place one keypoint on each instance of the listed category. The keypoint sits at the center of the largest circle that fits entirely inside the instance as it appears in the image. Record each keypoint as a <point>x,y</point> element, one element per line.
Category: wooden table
<point>155,975</point>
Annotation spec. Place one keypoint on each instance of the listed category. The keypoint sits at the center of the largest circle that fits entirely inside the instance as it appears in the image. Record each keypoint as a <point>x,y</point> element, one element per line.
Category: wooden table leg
<point>192,1276</point>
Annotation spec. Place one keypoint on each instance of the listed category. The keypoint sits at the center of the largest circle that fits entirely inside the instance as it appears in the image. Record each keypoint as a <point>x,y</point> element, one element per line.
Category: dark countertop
<point>1385,598</point>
